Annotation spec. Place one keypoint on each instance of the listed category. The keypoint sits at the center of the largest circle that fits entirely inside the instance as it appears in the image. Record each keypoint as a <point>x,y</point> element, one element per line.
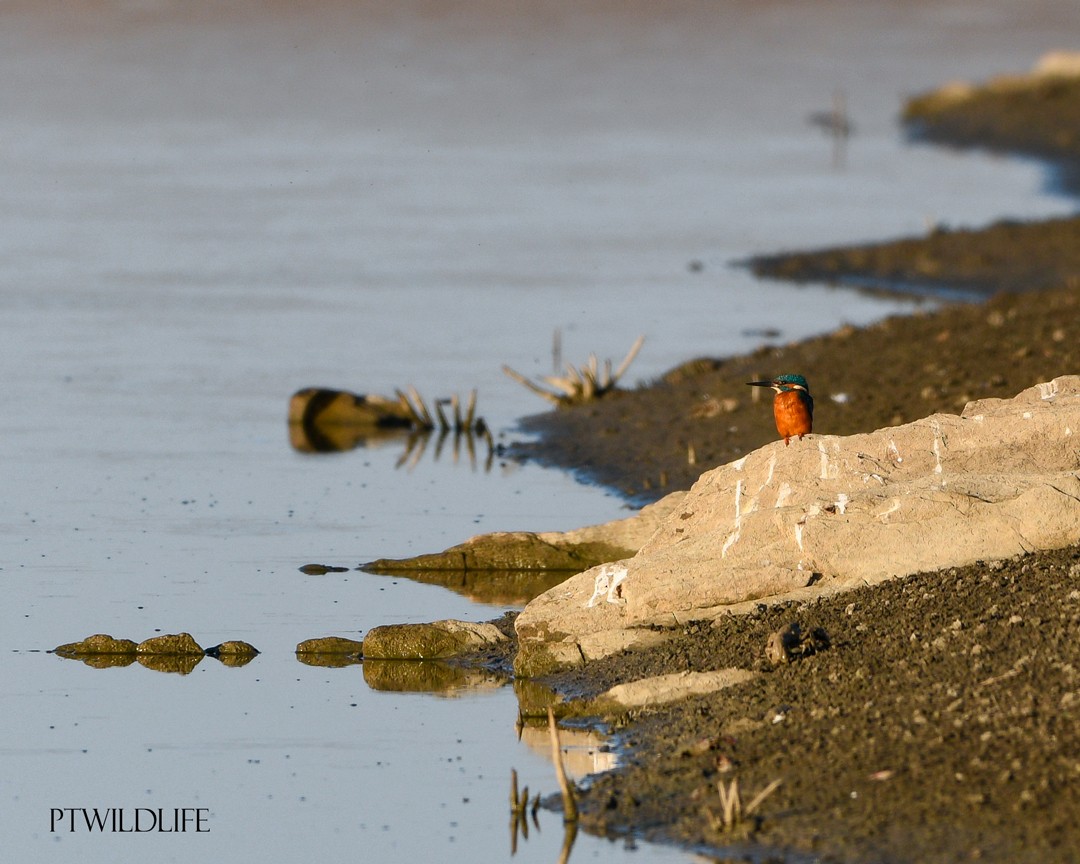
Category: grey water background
<point>208,206</point>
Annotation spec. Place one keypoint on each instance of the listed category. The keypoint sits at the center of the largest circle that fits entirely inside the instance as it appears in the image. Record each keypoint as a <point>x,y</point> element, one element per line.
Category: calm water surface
<point>207,208</point>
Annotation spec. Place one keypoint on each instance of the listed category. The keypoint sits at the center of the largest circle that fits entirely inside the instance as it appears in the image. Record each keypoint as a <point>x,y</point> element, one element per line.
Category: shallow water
<point>205,211</point>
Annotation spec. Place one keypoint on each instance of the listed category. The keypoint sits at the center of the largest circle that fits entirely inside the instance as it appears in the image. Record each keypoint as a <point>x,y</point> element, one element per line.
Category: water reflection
<point>322,420</point>
<point>524,810</point>
<point>585,751</point>
<point>330,652</point>
<point>435,677</point>
<point>178,653</point>
<point>492,587</point>
<point>180,664</point>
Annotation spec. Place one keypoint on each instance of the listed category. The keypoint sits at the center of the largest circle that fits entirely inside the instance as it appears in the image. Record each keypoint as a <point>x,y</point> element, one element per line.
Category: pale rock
<point>829,513</point>
<point>661,689</point>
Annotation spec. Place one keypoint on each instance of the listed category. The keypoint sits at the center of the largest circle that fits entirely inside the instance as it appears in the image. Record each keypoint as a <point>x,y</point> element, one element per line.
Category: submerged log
<point>323,420</point>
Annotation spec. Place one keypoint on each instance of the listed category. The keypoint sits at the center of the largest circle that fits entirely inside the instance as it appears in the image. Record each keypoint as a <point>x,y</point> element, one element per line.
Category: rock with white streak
<point>829,513</point>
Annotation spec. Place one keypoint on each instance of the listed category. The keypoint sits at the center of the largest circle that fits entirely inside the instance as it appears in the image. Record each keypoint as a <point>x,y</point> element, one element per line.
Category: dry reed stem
<point>733,816</point>
<point>425,417</point>
<point>470,411</point>
<point>582,384</point>
<point>570,811</point>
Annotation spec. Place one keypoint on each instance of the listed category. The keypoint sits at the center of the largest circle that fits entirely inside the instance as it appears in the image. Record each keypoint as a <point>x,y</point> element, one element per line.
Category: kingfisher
<point>793,406</point>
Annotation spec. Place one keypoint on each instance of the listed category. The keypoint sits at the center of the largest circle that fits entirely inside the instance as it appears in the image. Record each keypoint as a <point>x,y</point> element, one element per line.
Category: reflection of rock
<point>103,661</point>
<point>329,651</point>
<point>497,587</point>
<point>181,664</point>
<point>427,676</point>
<point>535,698</point>
<point>329,421</point>
<point>568,551</point>
<point>97,645</point>
<point>179,644</point>
<point>168,653</point>
<point>832,513</point>
<point>322,420</point>
<point>233,653</point>
<point>330,661</point>
<point>436,641</point>
<point>585,751</point>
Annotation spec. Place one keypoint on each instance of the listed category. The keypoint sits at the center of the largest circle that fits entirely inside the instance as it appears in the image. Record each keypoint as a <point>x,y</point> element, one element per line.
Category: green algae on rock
<point>98,644</point>
<point>493,587</point>
<point>438,640</point>
<point>507,550</point>
<point>330,651</point>
<point>167,653</point>
<point>233,653</point>
<point>171,643</point>
<point>550,551</point>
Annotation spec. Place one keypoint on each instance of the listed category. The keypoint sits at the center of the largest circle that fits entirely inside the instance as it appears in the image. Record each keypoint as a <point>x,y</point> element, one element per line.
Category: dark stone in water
<point>333,651</point>
<point>322,569</point>
<point>233,653</point>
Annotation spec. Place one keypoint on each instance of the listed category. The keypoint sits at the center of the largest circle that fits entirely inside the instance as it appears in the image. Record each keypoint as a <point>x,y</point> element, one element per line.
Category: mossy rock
<point>233,648</point>
<point>330,645</point>
<point>509,550</point>
<point>172,644</point>
<point>233,653</point>
<point>436,641</point>
<point>426,676</point>
<point>99,643</point>
<point>536,659</point>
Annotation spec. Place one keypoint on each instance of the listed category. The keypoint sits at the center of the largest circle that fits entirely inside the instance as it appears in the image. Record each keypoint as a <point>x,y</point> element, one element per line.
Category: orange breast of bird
<point>793,415</point>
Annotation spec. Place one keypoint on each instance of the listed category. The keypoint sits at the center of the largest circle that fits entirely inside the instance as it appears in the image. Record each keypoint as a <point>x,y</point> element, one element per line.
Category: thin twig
<point>570,811</point>
<point>762,795</point>
<point>536,388</point>
<point>629,358</point>
<point>422,408</point>
<point>444,426</point>
<point>579,384</point>
<point>470,411</point>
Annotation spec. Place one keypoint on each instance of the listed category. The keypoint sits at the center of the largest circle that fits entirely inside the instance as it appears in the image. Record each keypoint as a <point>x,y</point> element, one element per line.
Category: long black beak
<point>759,383</point>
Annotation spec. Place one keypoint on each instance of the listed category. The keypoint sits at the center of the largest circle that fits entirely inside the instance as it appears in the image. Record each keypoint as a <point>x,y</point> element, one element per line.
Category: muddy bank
<point>942,722</point>
<point>952,263</point>
<point>1035,115</point>
<point>655,439</point>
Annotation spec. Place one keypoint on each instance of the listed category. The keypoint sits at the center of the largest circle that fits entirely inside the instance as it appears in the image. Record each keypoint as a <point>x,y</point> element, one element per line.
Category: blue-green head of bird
<point>784,383</point>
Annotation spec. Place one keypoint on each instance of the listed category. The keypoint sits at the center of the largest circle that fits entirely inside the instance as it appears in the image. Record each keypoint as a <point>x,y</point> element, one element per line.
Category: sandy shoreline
<point>944,722</point>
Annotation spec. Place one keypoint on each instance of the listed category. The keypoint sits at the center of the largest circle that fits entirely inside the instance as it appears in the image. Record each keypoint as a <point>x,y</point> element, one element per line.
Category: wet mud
<point>942,723</point>
<point>661,437</point>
